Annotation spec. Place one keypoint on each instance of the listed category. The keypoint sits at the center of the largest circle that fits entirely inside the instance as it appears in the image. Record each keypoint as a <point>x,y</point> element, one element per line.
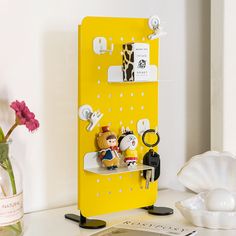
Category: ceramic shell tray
<point>206,172</point>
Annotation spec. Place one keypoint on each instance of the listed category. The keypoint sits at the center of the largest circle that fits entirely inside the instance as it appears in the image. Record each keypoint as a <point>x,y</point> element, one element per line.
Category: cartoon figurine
<point>108,145</point>
<point>127,144</point>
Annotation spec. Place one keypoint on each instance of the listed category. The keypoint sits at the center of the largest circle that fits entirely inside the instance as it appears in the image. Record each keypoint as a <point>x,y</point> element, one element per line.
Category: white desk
<point>53,223</point>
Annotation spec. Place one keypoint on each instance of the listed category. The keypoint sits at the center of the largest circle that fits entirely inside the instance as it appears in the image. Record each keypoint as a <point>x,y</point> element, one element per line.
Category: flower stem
<point>3,191</point>
<point>14,191</point>
<point>11,175</point>
<point>17,227</point>
<point>18,231</point>
<point>9,132</point>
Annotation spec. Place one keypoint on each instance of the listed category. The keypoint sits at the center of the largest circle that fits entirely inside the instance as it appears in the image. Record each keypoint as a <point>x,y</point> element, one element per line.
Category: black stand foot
<point>86,223</point>
<point>160,211</point>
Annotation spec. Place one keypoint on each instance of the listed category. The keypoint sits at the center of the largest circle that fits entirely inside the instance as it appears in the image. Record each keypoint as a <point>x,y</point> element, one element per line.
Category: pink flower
<point>24,116</point>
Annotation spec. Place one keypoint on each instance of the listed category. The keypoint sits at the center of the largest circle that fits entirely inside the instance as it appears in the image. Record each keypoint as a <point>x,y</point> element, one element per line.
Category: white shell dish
<point>208,171</point>
<point>194,210</point>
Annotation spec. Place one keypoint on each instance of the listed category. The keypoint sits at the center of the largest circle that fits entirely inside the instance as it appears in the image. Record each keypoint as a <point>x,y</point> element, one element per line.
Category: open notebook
<point>141,228</point>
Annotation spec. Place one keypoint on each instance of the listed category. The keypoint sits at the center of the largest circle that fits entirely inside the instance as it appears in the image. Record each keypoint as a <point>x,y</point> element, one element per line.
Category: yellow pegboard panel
<point>123,104</point>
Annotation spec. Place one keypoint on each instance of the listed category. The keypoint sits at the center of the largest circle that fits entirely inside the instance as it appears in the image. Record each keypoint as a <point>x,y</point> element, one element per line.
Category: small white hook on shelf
<point>100,46</point>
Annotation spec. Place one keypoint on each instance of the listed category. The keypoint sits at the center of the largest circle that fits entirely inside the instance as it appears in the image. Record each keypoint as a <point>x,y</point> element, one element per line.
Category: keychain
<point>152,158</point>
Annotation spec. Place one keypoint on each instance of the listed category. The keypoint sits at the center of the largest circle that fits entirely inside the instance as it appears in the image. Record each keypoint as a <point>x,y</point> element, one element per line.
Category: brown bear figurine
<point>108,145</point>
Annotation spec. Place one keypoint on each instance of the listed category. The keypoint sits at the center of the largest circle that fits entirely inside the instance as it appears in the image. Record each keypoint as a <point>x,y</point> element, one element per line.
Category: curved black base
<point>92,224</point>
<point>160,211</point>
<point>86,223</point>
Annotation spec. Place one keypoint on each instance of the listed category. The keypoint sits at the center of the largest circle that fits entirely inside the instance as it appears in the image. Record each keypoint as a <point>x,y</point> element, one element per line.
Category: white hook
<point>100,46</point>
<point>154,24</point>
<point>102,51</point>
<point>86,113</point>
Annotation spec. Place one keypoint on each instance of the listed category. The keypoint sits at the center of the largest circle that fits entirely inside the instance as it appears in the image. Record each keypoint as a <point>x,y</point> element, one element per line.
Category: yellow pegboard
<point>123,104</point>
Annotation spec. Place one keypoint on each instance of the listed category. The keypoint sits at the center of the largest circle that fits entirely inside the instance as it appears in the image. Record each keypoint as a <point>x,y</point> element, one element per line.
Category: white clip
<point>100,46</point>
<point>154,24</point>
<point>94,119</point>
<point>86,113</point>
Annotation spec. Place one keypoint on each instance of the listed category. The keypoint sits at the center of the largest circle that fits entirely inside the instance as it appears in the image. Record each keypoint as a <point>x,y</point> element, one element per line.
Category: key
<point>148,177</point>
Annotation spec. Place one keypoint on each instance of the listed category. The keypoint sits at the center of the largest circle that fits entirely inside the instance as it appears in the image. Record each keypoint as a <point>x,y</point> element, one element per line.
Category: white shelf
<point>120,170</point>
<point>93,164</point>
<point>115,75</point>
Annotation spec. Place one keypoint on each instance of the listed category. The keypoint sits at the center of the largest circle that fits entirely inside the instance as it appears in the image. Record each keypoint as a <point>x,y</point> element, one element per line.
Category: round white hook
<point>85,111</point>
<point>154,22</point>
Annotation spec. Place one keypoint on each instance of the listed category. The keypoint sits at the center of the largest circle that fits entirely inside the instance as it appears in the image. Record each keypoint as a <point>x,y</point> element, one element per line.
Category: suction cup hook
<point>86,113</point>
<point>154,24</point>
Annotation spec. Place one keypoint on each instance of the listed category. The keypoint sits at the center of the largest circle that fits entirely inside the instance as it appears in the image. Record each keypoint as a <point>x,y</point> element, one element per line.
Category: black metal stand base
<point>160,211</point>
<point>86,223</point>
<point>92,224</point>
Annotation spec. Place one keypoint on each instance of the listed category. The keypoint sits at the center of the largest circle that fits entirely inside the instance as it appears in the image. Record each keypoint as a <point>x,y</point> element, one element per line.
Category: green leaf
<point>1,135</point>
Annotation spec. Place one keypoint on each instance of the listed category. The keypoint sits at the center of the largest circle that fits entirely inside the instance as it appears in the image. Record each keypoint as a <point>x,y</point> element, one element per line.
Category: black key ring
<point>151,131</point>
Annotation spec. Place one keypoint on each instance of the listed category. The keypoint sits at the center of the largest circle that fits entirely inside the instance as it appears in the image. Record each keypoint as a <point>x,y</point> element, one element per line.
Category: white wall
<point>223,64</point>
<point>38,64</point>
<point>184,103</point>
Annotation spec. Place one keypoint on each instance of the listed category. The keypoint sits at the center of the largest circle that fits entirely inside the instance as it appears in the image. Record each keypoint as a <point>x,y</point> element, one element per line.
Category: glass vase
<point>11,194</point>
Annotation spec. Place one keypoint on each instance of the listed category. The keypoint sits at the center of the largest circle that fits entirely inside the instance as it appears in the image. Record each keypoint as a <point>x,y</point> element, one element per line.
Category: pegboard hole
<point>121,38</point>
<point>120,177</point>
<point>131,189</point>
<point>109,178</point>
<point>131,94</point>
<point>109,109</point>
<point>109,95</point>
<point>98,194</point>
<point>99,67</point>
<point>131,122</point>
<point>98,96</point>
<point>110,38</point>
<point>109,192</point>
<point>142,94</point>
<point>131,108</point>
<point>121,123</point>
<point>141,187</point>
<point>120,190</point>
<point>98,180</point>
<point>143,38</point>
<point>142,107</point>
<point>121,108</point>
<point>121,95</point>
<point>132,38</point>
<point>131,175</point>
<point>109,124</point>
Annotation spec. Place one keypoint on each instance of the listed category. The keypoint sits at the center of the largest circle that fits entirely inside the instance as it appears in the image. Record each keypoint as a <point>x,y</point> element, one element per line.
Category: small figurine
<point>108,145</point>
<point>127,144</point>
